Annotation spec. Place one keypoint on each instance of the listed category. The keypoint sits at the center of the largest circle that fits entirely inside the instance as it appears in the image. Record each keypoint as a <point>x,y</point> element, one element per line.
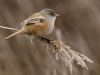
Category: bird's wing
<point>31,21</point>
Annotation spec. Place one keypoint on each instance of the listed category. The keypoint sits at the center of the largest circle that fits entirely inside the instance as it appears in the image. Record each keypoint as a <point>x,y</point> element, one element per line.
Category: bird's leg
<point>30,37</point>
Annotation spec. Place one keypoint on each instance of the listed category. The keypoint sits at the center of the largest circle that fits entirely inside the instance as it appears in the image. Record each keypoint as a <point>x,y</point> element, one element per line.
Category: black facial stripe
<point>52,13</point>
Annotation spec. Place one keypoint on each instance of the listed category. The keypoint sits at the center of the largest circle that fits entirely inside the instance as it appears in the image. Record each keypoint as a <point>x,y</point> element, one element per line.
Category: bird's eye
<point>52,13</point>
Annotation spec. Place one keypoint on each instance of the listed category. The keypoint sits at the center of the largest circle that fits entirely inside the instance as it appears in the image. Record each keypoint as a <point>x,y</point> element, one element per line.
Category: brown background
<point>79,23</point>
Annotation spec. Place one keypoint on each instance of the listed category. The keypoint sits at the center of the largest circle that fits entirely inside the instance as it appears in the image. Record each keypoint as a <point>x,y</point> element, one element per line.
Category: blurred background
<point>78,23</point>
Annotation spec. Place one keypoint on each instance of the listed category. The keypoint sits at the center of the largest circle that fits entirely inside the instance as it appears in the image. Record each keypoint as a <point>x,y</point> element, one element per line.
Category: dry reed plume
<point>66,53</point>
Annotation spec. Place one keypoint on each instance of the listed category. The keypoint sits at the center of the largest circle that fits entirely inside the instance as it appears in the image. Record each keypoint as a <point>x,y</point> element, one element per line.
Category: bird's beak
<point>57,14</point>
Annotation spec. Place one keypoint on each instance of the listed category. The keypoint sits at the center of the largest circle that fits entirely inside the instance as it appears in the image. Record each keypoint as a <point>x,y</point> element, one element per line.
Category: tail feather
<point>14,34</point>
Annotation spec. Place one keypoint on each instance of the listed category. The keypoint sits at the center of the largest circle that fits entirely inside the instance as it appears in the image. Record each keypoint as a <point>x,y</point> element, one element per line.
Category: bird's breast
<point>45,29</point>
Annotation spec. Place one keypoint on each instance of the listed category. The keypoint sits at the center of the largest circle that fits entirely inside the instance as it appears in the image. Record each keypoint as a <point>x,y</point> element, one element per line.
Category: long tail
<point>8,28</point>
<point>14,34</point>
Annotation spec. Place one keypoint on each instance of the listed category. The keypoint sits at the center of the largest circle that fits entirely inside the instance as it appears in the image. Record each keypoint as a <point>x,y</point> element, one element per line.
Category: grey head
<point>49,12</point>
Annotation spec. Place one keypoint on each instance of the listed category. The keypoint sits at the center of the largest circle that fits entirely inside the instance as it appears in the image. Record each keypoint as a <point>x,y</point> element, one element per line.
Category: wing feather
<point>32,21</point>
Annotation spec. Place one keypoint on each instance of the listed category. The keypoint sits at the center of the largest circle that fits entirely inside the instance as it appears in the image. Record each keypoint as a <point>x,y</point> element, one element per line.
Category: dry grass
<point>67,54</point>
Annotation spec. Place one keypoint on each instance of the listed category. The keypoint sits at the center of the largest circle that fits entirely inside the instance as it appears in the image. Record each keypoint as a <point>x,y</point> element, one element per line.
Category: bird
<point>38,24</point>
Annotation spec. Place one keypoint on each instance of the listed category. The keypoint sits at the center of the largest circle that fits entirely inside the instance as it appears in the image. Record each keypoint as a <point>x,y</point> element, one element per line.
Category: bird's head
<point>49,12</point>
